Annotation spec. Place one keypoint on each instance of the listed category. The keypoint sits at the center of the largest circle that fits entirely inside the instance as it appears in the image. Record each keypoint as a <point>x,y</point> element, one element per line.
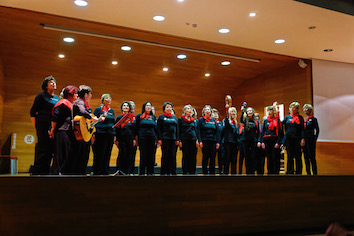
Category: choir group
<point>254,140</point>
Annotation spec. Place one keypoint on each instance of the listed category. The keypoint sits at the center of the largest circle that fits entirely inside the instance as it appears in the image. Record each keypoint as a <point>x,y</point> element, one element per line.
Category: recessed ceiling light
<point>181,56</point>
<point>207,74</point>
<point>165,69</point>
<point>159,18</point>
<point>252,14</point>
<point>80,3</point>
<point>69,39</point>
<point>225,63</point>
<point>180,0</point>
<point>126,48</point>
<point>224,31</point>
<point>279,41</point>
<point>61,56</point>
<point>114,62</point>
<point>328,50</point>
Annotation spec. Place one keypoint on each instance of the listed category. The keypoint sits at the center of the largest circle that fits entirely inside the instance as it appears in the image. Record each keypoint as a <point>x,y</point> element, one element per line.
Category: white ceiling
<point>275,19</point>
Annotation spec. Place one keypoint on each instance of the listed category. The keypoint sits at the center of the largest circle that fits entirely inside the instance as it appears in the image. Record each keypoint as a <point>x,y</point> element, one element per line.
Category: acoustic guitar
<point>85,128</point>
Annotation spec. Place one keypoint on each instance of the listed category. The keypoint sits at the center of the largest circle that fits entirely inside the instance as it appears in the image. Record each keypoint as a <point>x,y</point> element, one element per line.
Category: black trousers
<point>168,158</point>
<point>80,157</point>
<point>273,155</point>
<point>241,157</point>
<point>221,154</point>
<point>189,157</point>
<point>126,157</point>
<point>230,157</point>
<point>147,156</point>
<point>249,149</point>
<point>102,150</point>
<point>44,150</point>
<point>293,149</point>
<point>310,155</point>
<point>63,151</point>
<point>260,156</point>
<point>209,153</point>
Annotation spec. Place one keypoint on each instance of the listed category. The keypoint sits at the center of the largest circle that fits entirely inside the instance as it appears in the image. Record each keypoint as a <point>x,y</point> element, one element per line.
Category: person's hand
<point>263,145</point>
<point>259,144</point>
<point>134,143</point>
<point>159,142</point>
<point>94,119</point>
<point>180,144</point>
<point>276,145</point>
<point>51,133</point>
<point>227,106</point>
<point>177,142</point>
<point>201,144</point>
<point>217,145</point>
<point>197,144</point>
<point>93,139</point>
<point>302,143</point>
<point>116,143</point>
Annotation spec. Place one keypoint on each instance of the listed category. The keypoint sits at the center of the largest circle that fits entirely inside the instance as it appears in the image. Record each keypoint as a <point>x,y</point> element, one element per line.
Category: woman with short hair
<point>41,116</point>
<point>293,126</point>
<point>311,133</point>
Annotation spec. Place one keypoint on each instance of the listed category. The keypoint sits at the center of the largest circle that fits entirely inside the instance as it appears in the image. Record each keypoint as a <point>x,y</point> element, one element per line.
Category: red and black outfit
<point>104,137</point>
<point>208,135</point>
<point>42,111</point>
<point>251,137</point>
<point>311,134</point>
<point>229,136</point>
<point>125,138</point>
<point>272,134</point>
<point>168,133</point>
<point>188,137</point>
<point>293,126</point>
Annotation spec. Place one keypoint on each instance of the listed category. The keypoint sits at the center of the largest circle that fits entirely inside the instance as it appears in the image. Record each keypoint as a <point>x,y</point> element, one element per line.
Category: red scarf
<point>190,120</point>
<point>295,118</point>
<point>87,105</point>
<point>145,116</point>
<point>240,129</point>
<point>207,119</point>
<point>273,124</point>
<point>64,101</point>
<point>306,119</point>
<point>104,108</point>
<point>168,115</point>
<point>233,122</point>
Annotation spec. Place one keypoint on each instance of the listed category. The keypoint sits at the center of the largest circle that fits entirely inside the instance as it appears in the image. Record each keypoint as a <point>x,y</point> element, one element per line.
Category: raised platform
<point>174,205</point>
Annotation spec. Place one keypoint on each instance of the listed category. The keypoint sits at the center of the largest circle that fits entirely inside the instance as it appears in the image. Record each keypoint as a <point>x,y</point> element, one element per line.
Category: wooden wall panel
<point>2,95</point>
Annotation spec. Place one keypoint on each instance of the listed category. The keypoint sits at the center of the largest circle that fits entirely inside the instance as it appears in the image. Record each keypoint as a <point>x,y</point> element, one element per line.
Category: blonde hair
<point>308,106</point>
<point>207,106</point>
<point>294,104</point>
<point>188,106</point>
<point>235,118</point>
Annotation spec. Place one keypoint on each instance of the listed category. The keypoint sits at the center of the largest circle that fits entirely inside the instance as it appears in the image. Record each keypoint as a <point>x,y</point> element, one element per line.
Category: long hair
<point>247,120</point>
<point>235,118</point>
<point>143,109</point>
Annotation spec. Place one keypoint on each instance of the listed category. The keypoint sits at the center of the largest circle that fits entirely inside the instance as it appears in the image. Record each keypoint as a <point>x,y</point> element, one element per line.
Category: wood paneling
<point>2,94</point>
<point>227,205</point>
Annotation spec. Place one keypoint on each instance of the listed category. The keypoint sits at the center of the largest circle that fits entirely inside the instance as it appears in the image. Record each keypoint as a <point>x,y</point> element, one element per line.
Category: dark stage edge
<point>174,205</point>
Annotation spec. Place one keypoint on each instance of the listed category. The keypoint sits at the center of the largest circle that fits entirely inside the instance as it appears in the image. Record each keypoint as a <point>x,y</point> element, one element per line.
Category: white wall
<point>333,94</point>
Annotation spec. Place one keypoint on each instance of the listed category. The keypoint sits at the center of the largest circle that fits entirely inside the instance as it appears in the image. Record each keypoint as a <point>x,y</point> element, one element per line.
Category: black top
<point>220,129</point>
<point>79,109</point>
<point>62,116</point>
<point>267,133</point>
<point>105,127</point>
<point>167,128</point>
<point>207,130</point>
<point>293,130</point>
<point>252,134</point>
<point>241,134</point>
<point>145,128</point>
<point>311,129</point>
<point>127,132</point>
<point>187,131</point>
<point>229,132</point>
<point>43,107</point>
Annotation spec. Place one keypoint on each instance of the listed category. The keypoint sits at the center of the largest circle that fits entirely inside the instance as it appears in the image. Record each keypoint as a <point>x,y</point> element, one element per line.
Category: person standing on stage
<point>293,125</point>
<point>125,140</point>
<point>311,134</point>
<point>81,107</point>
<point>260,152</point>
<point>188,140</point>
<point>251,136</point>
<point>229,133</point>
<point>271,139</point>
<point>220,152</point>
<point>145,137</point>
<point>208,140</point>
<point>104,137</point>
<point>62,131</point>
<point>167,135</point>
<point>41,115</point>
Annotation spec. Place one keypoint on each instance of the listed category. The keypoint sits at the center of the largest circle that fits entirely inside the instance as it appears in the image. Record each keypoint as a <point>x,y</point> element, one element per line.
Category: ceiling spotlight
<point>114,62</point>
<point>252,14</point>
<point>328,50</point>
<point>180,0</point>
<point>224,31</point>
<point>165,69</point>
<point>80,3</point>
<point>159,18</point>
<point>181,56</point>
<point>279,41</point>
<point>225,63</point>
<point>126,48</point>
<point>69,39</point>
<point>61,56</point>
<point>207,74</point>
